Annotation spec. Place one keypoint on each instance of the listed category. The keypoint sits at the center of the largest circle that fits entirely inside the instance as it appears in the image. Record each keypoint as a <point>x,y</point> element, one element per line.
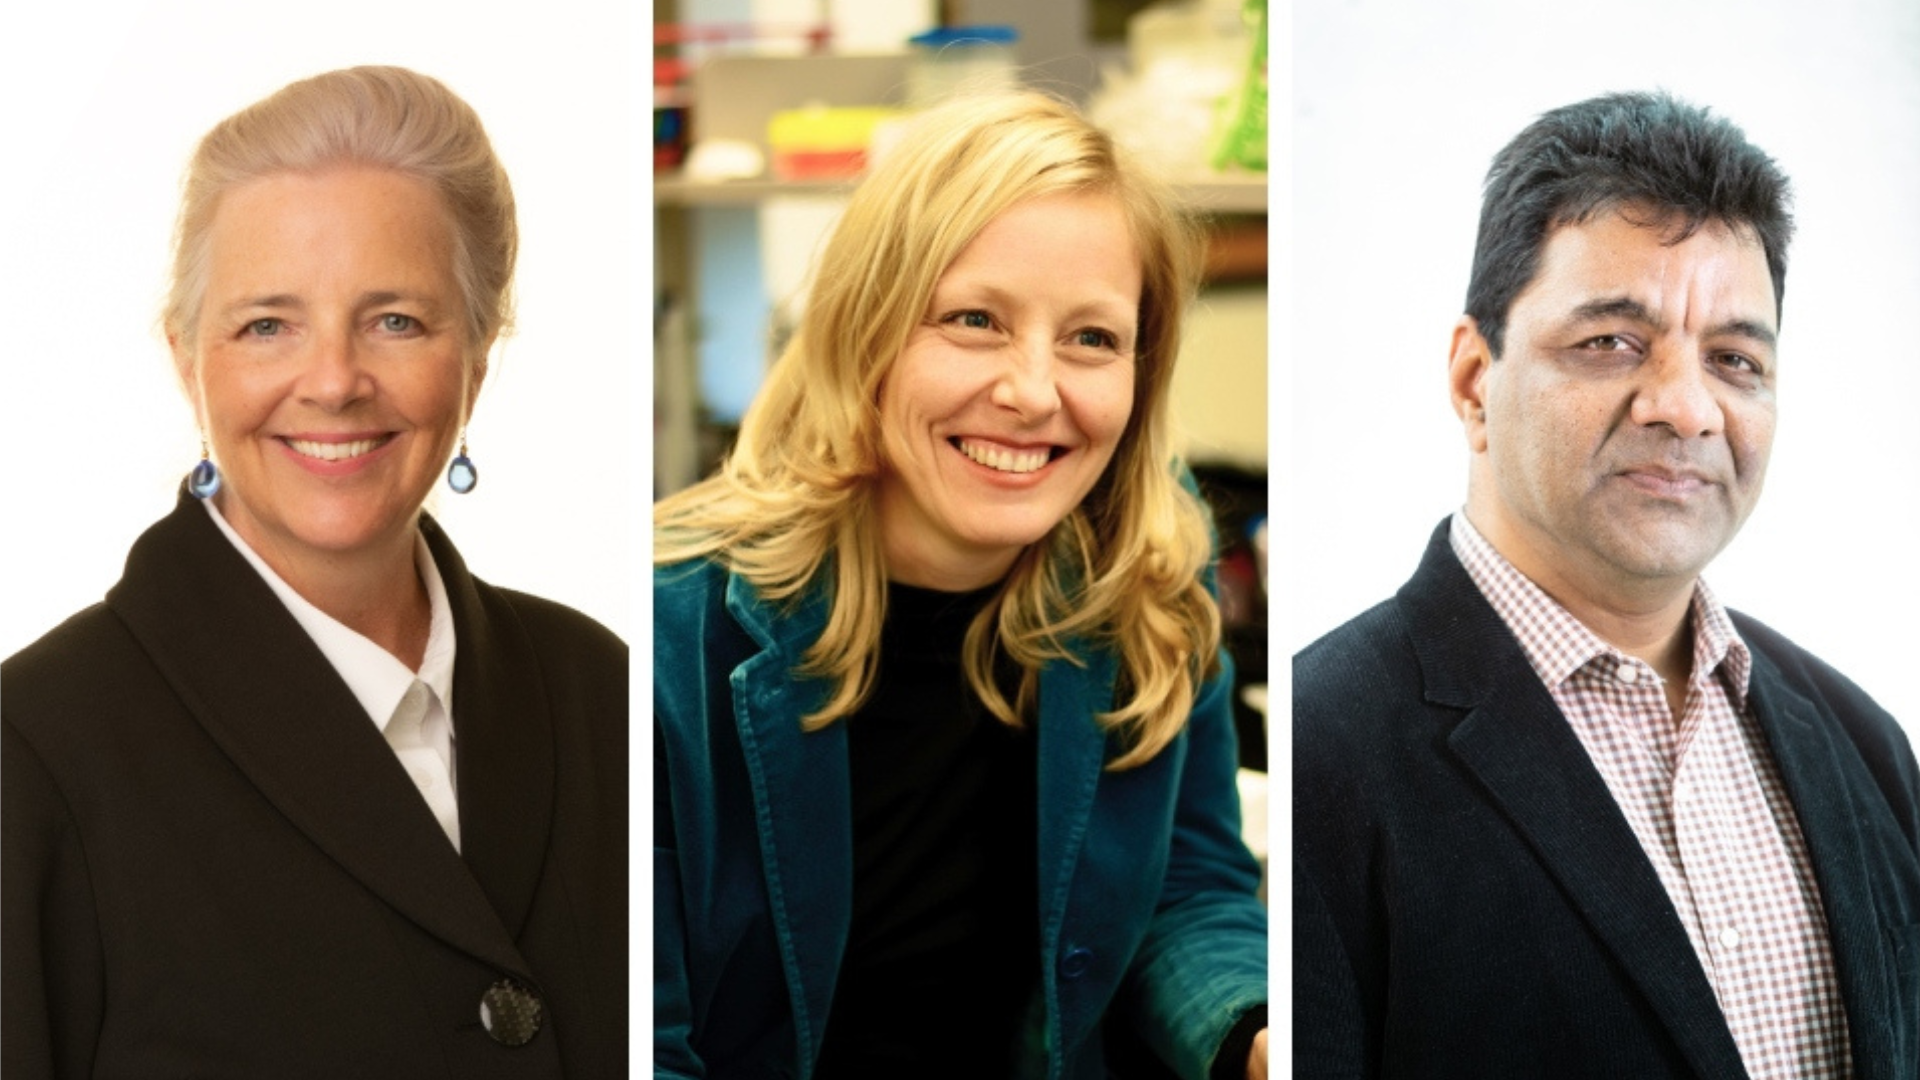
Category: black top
<point>945,894</point>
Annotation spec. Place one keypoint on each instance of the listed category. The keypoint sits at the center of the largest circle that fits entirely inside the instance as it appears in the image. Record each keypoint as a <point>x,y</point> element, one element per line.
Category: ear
<point>1467,366</point>
<point>183,370</point>
<point>182,358</point>
<point>478,375</point>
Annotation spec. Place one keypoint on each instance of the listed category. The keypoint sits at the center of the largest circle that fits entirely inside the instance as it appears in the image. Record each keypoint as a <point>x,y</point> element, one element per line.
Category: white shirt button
<point>1627,673</point>
<point>1730,937</point>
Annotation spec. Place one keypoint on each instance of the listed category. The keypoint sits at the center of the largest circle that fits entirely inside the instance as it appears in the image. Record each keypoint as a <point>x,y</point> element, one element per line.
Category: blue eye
<point>974,320</point>
<point>1096,339</point>
<point>263,327</point>
<point>397,324</point>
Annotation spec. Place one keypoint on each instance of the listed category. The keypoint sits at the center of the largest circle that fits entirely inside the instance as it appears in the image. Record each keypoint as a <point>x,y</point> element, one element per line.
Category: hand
<point>1257,1058</point>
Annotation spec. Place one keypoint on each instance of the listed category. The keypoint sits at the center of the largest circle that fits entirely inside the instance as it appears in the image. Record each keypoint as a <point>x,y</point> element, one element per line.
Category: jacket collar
<point>1514,739</point>
<point>267,697</point>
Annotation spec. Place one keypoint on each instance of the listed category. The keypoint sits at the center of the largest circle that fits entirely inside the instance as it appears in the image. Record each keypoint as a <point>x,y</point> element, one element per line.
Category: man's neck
<point>1647,619</point>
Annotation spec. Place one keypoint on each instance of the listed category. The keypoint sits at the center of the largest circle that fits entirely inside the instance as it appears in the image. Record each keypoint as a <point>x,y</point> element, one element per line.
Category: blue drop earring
<point>461,475</point>
<point>204,481</point>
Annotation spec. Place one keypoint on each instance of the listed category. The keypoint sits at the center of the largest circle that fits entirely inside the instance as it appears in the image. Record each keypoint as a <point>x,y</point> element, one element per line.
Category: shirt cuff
<point>1230,1062</point>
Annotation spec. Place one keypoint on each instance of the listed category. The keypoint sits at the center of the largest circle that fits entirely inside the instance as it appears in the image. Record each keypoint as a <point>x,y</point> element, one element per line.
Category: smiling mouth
<point>1006,459</point>
<point>337,451</point>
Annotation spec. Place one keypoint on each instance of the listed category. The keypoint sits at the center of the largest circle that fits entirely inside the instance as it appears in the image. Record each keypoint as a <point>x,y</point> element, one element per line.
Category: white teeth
<point>335,451</point>
<point>1003,460</point>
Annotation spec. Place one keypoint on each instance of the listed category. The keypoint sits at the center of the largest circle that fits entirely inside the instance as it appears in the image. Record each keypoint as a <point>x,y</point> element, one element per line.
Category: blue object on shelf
<point>940,37</point>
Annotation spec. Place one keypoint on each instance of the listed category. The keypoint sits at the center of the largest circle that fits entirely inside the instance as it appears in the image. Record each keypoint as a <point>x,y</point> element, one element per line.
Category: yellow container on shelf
<point>823,143</point>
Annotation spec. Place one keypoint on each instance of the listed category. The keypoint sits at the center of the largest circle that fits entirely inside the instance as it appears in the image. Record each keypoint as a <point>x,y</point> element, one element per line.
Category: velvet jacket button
<point>510,1012</point>
<point>1075,963</point>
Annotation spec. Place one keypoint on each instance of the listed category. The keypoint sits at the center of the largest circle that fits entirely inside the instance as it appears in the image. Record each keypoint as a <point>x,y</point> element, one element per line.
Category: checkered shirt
<point>1706,803</point>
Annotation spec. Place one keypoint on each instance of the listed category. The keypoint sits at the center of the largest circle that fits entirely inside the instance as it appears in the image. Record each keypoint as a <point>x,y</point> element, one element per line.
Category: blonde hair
<point>384,117</point>
<point>796,494</point>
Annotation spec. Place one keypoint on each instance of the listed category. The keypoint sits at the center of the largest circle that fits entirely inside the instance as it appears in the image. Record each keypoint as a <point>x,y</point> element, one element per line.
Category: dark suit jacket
<point>215,866</point>
<point>1469,901</point>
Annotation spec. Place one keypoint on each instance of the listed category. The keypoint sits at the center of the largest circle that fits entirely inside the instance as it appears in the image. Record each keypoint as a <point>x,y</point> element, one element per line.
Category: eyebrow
<point>1629,308</point>
<point>1099,307</point>
<point>372,299</point>
<point>388,296</point>
<point>278,300</point>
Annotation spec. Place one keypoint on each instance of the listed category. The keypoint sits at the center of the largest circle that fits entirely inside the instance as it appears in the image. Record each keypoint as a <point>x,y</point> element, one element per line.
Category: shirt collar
<point>377,679</point>
<point>1557,644</point>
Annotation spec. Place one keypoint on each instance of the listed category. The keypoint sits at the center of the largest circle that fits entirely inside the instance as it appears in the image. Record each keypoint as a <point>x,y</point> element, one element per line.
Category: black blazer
<point>215,867</point>
<point>1469,901</point>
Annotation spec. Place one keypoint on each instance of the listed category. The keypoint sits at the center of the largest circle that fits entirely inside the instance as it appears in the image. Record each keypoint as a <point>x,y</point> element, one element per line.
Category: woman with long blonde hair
<point>939,697</point>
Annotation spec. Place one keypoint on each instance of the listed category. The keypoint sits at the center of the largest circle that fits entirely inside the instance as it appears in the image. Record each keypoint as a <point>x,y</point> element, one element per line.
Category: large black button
<point>510,1012</point>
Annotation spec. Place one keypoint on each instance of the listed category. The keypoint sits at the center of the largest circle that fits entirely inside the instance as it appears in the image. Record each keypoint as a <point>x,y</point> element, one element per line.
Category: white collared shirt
<point>413,710</point>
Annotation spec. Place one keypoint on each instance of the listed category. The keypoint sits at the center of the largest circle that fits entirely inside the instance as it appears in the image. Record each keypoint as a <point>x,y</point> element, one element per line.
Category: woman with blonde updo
<point>303,797</point>
<point>944,771</point>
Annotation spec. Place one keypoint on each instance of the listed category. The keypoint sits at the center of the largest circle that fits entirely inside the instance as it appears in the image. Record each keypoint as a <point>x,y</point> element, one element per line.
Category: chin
<point>1665,561</point>
<point>346,532</point>
<point>1014,538</point>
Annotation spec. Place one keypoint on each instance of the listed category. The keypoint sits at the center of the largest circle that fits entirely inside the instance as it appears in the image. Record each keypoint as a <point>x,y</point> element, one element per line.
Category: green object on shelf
<point>1244,141</point>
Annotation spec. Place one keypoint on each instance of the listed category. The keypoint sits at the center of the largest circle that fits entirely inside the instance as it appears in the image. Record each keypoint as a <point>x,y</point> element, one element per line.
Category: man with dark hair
<point>1557,812</point>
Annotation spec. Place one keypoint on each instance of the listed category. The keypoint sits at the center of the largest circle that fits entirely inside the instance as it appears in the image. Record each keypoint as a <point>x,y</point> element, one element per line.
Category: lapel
<point>263,692</point>
<point>504,742</point>
<point>801,801</point>
<point>1515,741</point>
<point>1810,767</point>
<point>1071,751</point>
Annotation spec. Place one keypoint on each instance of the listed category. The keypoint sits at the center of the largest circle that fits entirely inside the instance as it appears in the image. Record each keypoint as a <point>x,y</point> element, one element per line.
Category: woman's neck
<point>377,593</point>
<point>386,604</point>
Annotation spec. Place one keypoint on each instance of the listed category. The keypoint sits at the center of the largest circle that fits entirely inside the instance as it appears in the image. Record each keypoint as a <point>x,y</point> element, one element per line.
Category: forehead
<point>288,228</point>
<point>1067,239</point>
<point>1717,270</point>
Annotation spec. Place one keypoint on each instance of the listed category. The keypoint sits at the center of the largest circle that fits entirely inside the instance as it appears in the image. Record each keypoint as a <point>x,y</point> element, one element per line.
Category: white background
<point>101,105</point>
<point>1397,110</point>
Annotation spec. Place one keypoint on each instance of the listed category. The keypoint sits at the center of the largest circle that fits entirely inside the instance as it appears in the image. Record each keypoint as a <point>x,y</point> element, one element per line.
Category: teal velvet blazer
<point>1147,908</point>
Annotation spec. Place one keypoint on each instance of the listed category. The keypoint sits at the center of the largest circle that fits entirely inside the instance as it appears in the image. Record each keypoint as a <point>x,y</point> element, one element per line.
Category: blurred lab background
<point>765,112</point>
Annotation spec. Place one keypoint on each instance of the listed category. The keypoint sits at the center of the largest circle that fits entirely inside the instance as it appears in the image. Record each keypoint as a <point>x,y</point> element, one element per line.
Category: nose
<point>335,374</point>
<point>1026,384</point>
<point>1677,393</point>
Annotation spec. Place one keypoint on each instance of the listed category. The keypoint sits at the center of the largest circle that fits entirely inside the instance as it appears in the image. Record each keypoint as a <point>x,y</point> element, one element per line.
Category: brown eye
<point>1739,366</point>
